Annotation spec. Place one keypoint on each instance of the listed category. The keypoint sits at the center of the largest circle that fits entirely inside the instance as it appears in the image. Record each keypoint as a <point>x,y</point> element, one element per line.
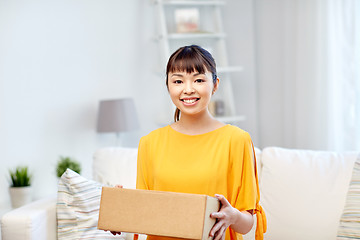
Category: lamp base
<point>119,139</point>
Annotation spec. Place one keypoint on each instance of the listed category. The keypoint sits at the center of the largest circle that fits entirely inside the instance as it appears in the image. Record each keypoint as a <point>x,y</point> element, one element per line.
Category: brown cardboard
<point>158,213</point>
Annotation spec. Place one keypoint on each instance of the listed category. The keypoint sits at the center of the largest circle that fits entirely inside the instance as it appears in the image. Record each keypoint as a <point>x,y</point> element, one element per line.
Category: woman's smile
<point>190,101</point>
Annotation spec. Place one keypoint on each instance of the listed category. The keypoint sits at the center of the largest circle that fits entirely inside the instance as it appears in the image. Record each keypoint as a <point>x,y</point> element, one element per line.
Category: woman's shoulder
<point>236,136</point>
<point>159,132</point>
<point>236,131</point>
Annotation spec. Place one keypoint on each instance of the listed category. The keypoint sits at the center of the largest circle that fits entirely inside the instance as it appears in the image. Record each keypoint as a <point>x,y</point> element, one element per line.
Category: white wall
<point>59,58</point>
<point>240,28</point>
<point>270,68</point>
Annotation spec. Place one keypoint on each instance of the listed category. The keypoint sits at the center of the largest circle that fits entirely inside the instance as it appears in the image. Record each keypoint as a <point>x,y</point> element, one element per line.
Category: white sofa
<point>303,193</point>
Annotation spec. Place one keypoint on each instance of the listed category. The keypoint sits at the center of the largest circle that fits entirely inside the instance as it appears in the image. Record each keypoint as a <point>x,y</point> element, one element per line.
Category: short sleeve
<point>244,192</point>
<point>242,188</point>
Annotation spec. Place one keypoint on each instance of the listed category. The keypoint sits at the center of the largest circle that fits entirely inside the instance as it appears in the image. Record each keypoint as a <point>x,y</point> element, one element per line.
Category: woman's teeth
<point>190,100</point>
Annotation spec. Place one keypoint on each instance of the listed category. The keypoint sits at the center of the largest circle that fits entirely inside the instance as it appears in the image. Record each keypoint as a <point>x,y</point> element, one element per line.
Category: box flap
<point>212,205</point>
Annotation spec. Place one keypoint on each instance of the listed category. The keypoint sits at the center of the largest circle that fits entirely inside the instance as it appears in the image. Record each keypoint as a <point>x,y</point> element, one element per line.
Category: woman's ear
<point>216,85</point>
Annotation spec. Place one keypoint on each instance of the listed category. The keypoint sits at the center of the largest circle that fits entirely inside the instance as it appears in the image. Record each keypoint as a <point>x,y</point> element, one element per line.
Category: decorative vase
<point>20,196</point>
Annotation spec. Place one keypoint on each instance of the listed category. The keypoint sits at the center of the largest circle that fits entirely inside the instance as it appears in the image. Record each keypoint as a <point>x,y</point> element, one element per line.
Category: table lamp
<point>117,116</point>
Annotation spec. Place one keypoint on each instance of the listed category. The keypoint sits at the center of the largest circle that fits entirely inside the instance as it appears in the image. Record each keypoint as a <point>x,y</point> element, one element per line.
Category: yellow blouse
<point>217,162</point>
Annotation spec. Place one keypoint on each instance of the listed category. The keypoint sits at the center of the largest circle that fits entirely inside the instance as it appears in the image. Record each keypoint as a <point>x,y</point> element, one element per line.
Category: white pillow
<point>115,165</point>
<point>349,228</point>
<point>78,208</point>
<point>303,192</point>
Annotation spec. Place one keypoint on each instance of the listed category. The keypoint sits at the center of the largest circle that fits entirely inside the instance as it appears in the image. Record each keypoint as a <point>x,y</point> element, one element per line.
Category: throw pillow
<point>303,192</point>
<point>77,208</point>
<point>123,166</point>
<point>349,227</point>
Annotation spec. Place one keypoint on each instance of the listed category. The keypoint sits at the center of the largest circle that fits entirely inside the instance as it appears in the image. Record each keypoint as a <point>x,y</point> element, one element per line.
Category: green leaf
<point>20,177</point>
<point>65,163</point>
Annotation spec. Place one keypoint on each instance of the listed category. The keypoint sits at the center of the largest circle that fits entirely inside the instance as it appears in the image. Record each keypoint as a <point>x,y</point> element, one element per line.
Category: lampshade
<point>117,115</point>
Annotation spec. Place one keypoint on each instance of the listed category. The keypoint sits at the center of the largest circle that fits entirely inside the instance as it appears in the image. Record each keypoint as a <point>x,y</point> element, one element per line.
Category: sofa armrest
<point>36,220</point>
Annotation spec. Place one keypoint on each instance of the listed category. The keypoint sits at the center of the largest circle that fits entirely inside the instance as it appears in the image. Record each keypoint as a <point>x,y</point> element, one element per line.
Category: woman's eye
<point>177,81</point>
<point>199,80</point>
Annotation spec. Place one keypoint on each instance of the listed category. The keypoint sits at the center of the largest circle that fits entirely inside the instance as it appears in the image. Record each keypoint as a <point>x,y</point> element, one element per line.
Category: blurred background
<point>299,87</point>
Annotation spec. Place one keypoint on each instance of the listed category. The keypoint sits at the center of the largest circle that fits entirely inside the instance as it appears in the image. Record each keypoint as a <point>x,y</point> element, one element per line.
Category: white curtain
<point>318,94</point>
<point>343,74</point>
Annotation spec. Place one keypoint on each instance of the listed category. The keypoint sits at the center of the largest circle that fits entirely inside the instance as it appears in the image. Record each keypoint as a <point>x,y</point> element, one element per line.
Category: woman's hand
<point>113,232</point>
<point>225,217</point>
<point>240,221</point>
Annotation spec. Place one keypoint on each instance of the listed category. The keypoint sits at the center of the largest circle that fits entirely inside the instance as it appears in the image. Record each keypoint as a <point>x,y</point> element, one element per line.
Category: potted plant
<point>65,163</point>
<point>20,189</point>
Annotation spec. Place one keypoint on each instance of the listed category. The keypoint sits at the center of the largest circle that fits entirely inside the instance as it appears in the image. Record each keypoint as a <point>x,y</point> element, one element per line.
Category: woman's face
<point>191,92</point>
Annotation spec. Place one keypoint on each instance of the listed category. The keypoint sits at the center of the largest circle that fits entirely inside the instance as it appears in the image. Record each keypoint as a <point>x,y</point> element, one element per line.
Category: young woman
<point>198,154</point>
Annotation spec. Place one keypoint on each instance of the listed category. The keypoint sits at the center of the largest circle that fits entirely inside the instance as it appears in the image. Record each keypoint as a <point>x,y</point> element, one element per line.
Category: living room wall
<point>59,58</point>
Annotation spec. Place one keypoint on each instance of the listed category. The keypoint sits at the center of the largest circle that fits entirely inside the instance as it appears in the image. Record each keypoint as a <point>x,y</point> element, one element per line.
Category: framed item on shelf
<point>187,20</point>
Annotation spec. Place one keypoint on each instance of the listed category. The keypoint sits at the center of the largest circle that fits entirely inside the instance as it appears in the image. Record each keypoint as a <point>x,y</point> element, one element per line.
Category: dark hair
<point>190,59</point>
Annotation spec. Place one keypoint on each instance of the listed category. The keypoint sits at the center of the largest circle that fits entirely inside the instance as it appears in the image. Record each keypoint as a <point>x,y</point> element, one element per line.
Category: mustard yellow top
<point>217,162</point>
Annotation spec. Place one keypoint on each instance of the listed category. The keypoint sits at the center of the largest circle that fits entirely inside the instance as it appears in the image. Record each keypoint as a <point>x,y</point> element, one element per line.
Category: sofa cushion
<point>78,208</point>
<point>303,192</point>
<point>349,228</point>
<point>115,165</point>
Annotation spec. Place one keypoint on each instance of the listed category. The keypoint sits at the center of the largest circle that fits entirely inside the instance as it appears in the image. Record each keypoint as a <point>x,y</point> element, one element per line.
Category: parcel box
<point>158,213</point>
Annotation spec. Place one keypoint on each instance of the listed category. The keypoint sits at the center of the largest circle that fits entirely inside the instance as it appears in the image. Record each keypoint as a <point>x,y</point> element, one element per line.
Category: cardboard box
<point>158,213</point>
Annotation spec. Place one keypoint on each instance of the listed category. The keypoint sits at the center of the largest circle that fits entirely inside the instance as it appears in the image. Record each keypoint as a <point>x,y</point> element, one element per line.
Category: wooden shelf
<point>195,35</point>
<point>231,119</point>
<point>230,69</point>
<point>220,70</point>
<point>192,2</point>
<point>224,119</point>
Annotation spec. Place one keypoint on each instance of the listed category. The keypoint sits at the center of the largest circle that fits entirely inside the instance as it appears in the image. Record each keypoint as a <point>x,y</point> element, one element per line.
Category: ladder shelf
<point>209,35</point>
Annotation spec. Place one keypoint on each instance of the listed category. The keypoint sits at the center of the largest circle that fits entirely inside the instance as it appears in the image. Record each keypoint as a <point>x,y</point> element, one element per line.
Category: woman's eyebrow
<point>176,75</point>
<point>181,75</point>
<point>197,74</point>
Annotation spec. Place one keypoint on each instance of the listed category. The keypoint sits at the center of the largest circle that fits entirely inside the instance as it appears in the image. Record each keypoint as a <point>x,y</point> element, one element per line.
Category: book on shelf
<point>187,20</point>
<point>217,108</point>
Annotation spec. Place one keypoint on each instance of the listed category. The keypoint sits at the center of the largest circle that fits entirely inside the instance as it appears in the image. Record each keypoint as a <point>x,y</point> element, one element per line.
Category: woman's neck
<point>194,125</point>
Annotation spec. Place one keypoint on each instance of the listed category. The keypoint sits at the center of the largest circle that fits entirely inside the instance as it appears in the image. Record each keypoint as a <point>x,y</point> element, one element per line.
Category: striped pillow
<point>349,227</point>
<point>77,208</point>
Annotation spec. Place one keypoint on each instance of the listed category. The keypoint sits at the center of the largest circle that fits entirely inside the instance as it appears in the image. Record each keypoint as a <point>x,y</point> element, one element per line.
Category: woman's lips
<point>189,101</point>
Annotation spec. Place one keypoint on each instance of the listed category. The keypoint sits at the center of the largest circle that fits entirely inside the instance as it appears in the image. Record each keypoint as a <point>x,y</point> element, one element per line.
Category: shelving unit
<point>195,35</point>
<point>211,36</point>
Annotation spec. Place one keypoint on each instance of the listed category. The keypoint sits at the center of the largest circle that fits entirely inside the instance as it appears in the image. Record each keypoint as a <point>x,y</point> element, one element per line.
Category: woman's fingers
<point>215,229</point>
<point>218,231</point>
<point>223,218</point>
<point>224,202</point>
<point>217,215</point>
<point>221,233</point>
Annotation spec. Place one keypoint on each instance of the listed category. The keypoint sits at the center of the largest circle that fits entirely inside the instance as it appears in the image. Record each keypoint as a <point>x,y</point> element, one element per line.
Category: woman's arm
<point>228,216</point>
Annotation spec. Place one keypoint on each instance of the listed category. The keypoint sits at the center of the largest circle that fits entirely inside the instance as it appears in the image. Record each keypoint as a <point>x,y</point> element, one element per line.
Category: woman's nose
<point>189,89</point>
